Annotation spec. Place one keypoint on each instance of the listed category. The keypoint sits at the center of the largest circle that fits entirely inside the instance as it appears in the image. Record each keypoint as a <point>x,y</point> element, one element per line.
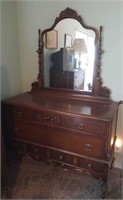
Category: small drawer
<point>91,165</point>
<point>84,124</point>
<point>36,152</point>
<point>61,157</point>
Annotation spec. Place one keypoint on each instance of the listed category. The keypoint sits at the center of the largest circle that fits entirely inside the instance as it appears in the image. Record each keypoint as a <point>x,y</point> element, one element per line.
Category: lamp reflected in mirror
<point>79,47</point>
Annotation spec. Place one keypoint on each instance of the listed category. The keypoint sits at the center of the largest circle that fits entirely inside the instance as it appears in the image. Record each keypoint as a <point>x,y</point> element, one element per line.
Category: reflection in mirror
<point>71,63</point>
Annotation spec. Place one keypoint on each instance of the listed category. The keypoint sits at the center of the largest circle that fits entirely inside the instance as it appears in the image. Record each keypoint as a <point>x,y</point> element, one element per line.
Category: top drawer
<point>43,117</point>
<point>84,124</point>
<point>92,126</point>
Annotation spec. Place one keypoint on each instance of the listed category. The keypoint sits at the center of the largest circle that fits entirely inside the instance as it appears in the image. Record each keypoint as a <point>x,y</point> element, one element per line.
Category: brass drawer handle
<point>88,147</point>
<point>81,126</point>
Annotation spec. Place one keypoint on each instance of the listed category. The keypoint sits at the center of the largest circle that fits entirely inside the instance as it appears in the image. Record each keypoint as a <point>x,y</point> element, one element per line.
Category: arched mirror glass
<point>69,54</point>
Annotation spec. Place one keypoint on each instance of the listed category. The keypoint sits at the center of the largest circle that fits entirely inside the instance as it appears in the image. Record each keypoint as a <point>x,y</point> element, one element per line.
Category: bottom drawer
<point>42,153</point>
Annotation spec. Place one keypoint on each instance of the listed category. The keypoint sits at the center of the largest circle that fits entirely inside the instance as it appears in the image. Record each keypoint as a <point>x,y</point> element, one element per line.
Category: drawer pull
<point>88,147</point>
<point>81,126</point>
<point>60,157</point>
<point>90,166</point>
<point>47,118</point>
<point>19,115</point>
<point>52,119</point>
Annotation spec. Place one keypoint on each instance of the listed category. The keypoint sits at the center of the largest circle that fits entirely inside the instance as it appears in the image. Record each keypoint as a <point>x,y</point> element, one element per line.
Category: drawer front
<point>34,151</point>
<point>91,166</point>
<point>82,163</point>
<point>41,153</point>
<point>84,124</point>
<point>42,117</point>
<point>49,118</point>
<point>61,157</point>
<point>62,139</point>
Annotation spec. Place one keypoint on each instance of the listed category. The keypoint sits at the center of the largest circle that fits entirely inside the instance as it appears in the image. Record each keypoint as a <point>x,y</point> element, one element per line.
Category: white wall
<point>38,14</point>
<point>33,15</point>
<point>11,81</point>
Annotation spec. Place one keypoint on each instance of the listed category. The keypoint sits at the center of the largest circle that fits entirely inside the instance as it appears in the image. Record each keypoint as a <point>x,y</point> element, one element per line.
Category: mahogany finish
<point>77,133</point>
<point>75,129</point>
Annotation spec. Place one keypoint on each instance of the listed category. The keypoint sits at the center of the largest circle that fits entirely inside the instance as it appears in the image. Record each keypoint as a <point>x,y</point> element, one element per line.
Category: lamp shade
<point>79,45</point>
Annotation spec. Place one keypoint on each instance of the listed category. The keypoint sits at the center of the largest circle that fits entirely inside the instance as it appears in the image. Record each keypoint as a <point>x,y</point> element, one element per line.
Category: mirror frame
<point>97,87</point>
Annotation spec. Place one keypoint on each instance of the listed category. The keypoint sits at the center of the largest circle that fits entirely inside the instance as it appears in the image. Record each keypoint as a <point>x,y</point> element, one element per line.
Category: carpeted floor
<point>36,180</point>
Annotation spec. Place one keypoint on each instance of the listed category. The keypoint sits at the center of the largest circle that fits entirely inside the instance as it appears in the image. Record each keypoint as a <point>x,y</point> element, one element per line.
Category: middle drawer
<point>68,140</point>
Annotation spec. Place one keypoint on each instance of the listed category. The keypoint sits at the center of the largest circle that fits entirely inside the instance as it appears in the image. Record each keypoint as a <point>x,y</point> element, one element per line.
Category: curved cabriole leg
<point>112,163</point>
<point>104,189</point>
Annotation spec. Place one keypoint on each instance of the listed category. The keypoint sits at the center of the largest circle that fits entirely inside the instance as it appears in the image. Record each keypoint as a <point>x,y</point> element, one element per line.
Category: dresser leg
<point>104,189</point>
<point>112,163</point>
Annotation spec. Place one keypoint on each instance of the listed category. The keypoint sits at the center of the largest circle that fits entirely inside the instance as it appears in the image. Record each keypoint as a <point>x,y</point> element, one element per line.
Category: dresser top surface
<point>64,105</point>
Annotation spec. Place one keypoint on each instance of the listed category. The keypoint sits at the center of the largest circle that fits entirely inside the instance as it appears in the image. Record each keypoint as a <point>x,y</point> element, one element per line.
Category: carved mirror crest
<point>69,55</point>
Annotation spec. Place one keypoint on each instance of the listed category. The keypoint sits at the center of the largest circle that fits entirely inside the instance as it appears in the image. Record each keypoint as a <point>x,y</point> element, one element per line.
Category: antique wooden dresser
<point>73,132</point>
<point>73,128</point>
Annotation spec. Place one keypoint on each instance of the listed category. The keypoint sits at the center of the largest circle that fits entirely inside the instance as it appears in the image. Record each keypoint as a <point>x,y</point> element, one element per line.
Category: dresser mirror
<point>70,56</point>
<point>62,67</point>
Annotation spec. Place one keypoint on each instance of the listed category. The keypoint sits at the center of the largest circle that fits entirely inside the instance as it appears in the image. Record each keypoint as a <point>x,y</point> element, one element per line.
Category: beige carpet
<point>31,179</point>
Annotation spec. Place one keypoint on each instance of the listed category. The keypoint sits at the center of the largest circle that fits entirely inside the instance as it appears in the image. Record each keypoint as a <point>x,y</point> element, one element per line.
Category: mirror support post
<point>99,89</point>
<point>39,84</point>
